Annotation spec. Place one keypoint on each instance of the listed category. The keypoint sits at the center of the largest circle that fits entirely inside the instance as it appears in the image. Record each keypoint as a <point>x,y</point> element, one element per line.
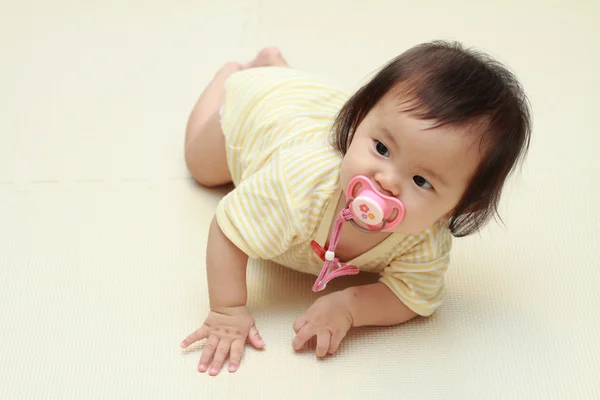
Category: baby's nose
<point>386,187</point>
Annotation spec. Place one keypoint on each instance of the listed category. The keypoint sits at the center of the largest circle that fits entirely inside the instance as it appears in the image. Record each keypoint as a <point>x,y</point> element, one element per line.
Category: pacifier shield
<point>372,207</point>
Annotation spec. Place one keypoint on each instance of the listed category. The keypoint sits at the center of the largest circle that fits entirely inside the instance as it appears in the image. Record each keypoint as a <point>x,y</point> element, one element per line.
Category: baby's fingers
<point>323,339</point>
<point>235,357</point>
<point>219,358</point>
<point>304,335</point>
<point>255,339</point>
<point>198,334</point>
<point>336,339</point>
<point>209,349</point>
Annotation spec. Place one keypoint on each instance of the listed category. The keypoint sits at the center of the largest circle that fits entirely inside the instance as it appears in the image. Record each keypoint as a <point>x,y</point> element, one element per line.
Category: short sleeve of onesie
<point>417,276</point>
<point>257,216</point>
<point>281,204</point>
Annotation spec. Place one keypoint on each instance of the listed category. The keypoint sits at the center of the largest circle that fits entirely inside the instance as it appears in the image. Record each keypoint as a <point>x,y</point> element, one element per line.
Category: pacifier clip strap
<point>333,268</point>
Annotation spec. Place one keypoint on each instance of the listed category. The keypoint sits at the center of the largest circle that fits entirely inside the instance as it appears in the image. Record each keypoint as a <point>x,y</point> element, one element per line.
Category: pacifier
<point>378,211</point>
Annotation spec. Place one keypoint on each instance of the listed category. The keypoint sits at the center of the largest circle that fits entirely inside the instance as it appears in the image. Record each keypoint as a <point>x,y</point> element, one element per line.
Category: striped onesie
<point>277,126</point>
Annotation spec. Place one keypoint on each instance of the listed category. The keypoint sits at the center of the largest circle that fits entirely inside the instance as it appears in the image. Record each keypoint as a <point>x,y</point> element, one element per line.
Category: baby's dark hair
<point>448,84</point>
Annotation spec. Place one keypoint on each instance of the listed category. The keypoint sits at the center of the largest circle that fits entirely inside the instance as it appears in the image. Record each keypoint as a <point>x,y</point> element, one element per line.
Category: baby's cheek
<point>417,218</point>
<point>346,173</point>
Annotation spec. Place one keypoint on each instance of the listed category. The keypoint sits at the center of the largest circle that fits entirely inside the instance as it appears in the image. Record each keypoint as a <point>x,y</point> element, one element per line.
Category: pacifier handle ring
<point>360,228</point>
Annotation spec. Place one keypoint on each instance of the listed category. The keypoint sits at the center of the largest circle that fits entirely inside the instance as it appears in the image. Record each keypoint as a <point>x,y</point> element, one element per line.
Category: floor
<point>103,232</point>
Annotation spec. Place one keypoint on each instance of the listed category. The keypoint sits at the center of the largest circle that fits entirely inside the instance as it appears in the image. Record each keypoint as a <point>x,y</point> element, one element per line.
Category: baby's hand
<point>226,332</point>
<point>329,319</point>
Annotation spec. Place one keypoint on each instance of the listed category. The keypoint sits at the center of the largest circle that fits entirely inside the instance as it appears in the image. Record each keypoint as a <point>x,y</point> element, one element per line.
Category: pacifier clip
<point>333,267</point>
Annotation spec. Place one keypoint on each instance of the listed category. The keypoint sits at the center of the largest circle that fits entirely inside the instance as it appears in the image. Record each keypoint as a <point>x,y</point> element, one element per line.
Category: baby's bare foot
<point>268,57</point>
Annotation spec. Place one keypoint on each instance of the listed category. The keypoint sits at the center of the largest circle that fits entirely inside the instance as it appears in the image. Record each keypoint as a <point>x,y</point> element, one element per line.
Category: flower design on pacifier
<point>364,208</point>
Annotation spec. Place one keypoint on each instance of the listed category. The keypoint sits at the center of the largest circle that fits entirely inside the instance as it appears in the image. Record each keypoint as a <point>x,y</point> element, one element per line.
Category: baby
<point>417,156</point>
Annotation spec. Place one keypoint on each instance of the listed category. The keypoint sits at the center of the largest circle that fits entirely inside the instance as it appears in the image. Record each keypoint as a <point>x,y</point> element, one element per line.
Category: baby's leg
<point>204,140</point>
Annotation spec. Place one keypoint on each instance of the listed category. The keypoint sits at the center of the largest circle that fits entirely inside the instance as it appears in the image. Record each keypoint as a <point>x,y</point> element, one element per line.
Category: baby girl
<point>331,184</point>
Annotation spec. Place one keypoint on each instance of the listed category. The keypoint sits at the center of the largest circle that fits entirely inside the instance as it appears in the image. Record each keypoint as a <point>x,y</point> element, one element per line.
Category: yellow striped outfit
<point>277,124</point>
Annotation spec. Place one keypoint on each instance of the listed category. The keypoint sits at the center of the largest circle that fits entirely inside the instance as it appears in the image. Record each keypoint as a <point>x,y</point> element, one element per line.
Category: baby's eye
<point>381,149</point>
<point>421,182</point>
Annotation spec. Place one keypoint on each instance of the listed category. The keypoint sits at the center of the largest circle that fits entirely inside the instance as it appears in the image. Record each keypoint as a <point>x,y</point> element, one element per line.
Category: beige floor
<point>103,233</point>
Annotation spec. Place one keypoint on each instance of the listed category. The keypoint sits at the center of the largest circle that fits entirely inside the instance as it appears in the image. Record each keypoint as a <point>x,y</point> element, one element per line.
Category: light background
<point>103,233</point>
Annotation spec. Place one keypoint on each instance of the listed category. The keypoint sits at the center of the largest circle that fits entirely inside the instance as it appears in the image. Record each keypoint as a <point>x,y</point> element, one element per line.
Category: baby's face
<point>428,170</point>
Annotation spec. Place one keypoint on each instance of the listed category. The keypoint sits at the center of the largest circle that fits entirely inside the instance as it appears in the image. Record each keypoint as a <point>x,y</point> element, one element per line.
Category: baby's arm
<point>377,305</point>
<point>226,271</point>
<point>229,322</point>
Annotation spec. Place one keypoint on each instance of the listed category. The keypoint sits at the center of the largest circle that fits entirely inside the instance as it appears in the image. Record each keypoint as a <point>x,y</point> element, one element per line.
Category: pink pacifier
<point>378,211</point>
